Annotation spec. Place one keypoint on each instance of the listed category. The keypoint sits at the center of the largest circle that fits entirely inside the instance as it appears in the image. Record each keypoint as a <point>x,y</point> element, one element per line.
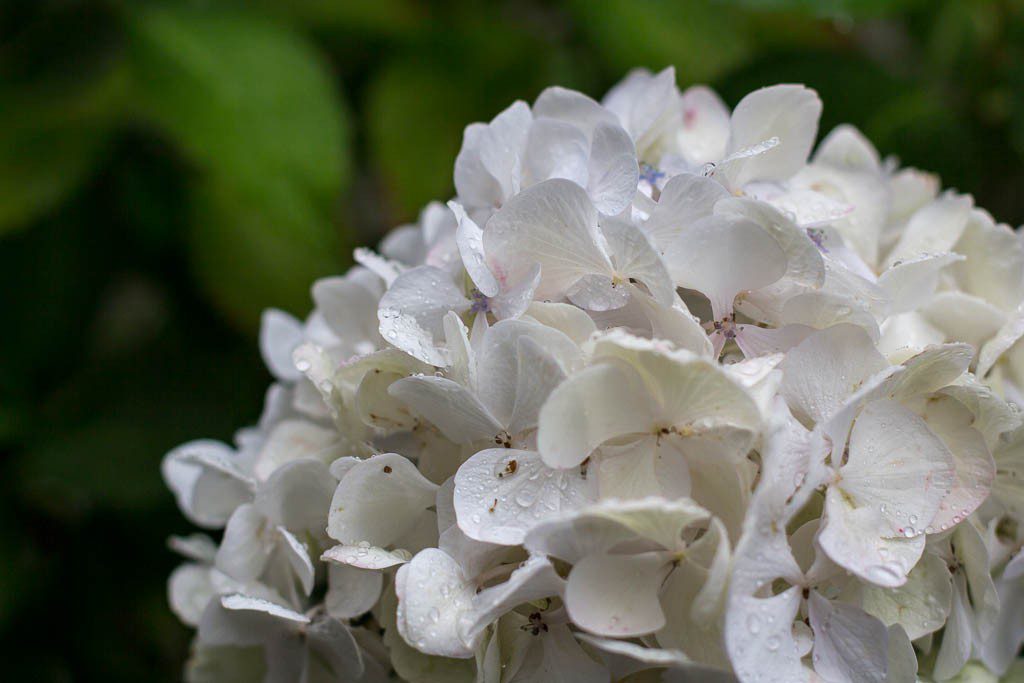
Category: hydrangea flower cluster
<point>658,396</point>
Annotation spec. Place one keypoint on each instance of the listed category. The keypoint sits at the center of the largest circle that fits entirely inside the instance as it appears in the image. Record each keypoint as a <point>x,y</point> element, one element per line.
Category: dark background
<point>167,170</point>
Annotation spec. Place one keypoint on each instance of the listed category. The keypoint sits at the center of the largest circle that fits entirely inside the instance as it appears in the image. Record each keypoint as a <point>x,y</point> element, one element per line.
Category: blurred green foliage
<point>168,169</point>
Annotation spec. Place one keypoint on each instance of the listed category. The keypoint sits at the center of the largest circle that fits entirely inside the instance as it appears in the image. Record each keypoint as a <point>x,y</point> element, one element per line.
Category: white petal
<point>957,637</point>
<point>297,556</point>
<point>705,130</point>
<point>617,595</point>
<point>906,335</point>
<point>449,406</point>
<point>556,149</point>
<point>642,101</point>
<point>911,283</point>
<point>587,409</point>
<point>994,268</point>
<point>412,312</point>
<point>642,468</point>
<point>634,258</point>
<point>501,493</point>
<point>280,333</point>
<point>246,546</point>
<point>573,107</point>
<point>351,591</point>
<point>920,606</point>
<point>689,392</point>
<point>805,266</point>
<point>849,645</point>
<point>293,440</point>
<point>534,579</point>
<point>501,374</point>
<point>685,199</point>
<point>433,593</point>
<point>470,239</point>
<point>297,496</point>
<point>365,556</point>
<point>849,537</point>
<point>566,318</point>
<point>1007,336</point>
<point>759,638</point>
<point>379,500</point>
<point>349,307</point>
<point>974,469</point>
<point>964,317</point>
<point>539,373</point>
<point>902,657</point>
<point>333,646</point>
<point>602,526</point>
<point>788,112</point>
<point>846,147</point>
<point>723,255</point>
<point>934,228</point>
<point>825,369</point>
<point>515,297</point>
<point>206,481</point>
<point>1008,488</point>
<point>196,547</point>
<point>612,171</point>
<point>554,224</point>
<point>189,590</point>
<point>898,467</point>
<point>386,269</point>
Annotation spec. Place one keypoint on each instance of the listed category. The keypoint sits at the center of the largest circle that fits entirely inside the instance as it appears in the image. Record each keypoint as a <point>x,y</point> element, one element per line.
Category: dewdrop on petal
<point>664,388</point>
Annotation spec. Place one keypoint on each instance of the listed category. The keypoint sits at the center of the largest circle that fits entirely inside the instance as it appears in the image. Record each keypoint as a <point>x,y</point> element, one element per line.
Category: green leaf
<point>51,134</point>
<point>245,98</point>
<point>416,114</point>
<point>257,248</point>
<point>702,40</point>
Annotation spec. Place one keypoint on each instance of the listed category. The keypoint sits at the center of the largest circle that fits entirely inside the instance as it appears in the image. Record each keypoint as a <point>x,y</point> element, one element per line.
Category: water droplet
<point>754,624</point>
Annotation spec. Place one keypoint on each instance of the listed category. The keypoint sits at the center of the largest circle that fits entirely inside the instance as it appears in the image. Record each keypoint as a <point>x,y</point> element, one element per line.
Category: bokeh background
<point>169,169</point>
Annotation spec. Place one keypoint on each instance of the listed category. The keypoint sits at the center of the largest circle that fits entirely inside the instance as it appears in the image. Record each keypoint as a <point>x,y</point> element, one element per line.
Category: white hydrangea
<point>659,396</point>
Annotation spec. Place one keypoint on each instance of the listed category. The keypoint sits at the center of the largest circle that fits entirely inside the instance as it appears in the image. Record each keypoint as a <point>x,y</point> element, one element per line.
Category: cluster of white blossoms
<point>660,395</point>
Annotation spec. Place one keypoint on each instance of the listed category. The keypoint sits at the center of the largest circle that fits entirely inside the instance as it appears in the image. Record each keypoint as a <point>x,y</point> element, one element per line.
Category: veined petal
<point>920,606</point>
<point>974,469</point>
<point>850,538</point>
<point>612,172</point>
<point>849,645</point>
<point>554,224</point>
<point>898,466</point>
<point>723,255</point>
<point>635,259</point>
